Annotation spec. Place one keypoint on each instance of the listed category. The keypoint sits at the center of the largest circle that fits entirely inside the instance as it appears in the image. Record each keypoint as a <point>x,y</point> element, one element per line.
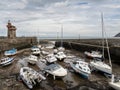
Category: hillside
<point>117,35</point>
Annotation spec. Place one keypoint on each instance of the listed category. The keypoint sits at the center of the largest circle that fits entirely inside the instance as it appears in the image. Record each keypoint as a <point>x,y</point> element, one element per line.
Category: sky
<point>44,18</point>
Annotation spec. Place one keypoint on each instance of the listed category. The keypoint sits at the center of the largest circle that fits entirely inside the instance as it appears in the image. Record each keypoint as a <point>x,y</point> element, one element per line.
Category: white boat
<point>44,52</point>
<point>56,70</point>
<point>51,58</point>
<point>32,59</point>
<point>93,54</point>
<point>10,52</point>
<point>35,50</point>
<point>115,83</point>
<point>30,77</point>
<point>6,61</point>
<point>100,64</point>
<point>81,67</point>
<point>60,56</point>
<point>61,49</point>
<point>50,46</point>
<point>55,51</point>
<point>39,46</point>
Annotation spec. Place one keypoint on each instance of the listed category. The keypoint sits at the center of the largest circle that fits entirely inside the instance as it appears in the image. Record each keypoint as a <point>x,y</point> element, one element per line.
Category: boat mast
<point>61,35</point>
<point>102,35</point>
<point>104,32</point>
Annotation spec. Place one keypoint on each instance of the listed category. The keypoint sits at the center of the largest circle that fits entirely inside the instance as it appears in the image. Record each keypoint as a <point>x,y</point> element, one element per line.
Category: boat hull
<point>7,62</point>
<point>101,67</point>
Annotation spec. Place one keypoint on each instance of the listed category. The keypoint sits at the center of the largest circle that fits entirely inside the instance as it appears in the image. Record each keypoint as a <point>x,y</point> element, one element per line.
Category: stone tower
<point>11,31</point>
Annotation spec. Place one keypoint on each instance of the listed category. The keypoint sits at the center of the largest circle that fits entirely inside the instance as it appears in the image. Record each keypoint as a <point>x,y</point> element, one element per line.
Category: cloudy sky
<point>44,17</point>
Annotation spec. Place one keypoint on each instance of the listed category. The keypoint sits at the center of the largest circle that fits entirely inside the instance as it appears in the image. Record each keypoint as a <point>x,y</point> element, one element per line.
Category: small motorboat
<point>35,50</point>
<point>60,56</point>
<point>115,82</point>
<point>32,59</point>
<point>81,67</point>
<point>6,61</point>
<point>93,54</point>
<point>30,77</point>
<point>10,52</point>
<point>56,70</point>
<point>51,58</point>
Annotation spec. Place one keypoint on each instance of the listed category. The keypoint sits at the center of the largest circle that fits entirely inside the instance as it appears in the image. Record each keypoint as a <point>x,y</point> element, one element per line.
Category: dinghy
<point>81,67</point>
<point>30,77</point>
<point>6,61</point>
<point>56,70</point>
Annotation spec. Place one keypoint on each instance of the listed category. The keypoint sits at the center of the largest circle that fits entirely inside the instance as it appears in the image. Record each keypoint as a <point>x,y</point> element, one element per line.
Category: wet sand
<point>9,75</point>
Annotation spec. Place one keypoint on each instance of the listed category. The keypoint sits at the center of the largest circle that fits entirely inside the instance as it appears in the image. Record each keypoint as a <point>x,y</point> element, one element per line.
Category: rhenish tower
<point>11,30</point>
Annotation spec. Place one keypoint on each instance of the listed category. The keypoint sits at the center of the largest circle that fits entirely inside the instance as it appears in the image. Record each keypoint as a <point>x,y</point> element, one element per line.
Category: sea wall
<point>114,50</point>
<point>19,43</point>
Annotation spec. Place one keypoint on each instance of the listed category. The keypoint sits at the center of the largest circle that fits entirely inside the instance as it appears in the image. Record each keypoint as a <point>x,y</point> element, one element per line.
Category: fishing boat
<point>51,58</point>
<point>30,77</point>
<point>60,56</point>
<point>6,61</point>
<point>56,70</point>
<point>115,82</point>
<point>81,67</point>
<point>93,54</point>
<point>35,50</point>
<point>10,52</point>
<point>32,59</point>
<point>100,64</point>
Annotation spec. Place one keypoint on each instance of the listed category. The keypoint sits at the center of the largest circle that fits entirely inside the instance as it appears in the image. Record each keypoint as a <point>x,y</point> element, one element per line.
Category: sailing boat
<point>60,55</point>
<point>61,48</point>
<point>100,64</point>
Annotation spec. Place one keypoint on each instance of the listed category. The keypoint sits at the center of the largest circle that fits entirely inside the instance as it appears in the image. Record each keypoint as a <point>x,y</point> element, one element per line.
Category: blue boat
<point>10,52</point>
<point>81,67</point>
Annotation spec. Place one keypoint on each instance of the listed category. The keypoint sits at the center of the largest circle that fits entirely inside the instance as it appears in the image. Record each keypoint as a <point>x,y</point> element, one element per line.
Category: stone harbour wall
<point>114,50</point>
<point>19,43</point>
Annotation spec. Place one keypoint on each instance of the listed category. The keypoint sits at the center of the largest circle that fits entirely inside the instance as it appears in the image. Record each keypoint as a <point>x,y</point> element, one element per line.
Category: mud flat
<point>9,75</point>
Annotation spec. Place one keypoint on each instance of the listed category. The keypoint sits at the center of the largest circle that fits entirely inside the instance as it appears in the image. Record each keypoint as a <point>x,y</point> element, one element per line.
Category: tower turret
<point>11,30</point>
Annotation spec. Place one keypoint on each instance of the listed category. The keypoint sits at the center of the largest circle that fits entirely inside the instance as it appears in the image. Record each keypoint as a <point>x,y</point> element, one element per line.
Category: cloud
<point>77,16</point>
